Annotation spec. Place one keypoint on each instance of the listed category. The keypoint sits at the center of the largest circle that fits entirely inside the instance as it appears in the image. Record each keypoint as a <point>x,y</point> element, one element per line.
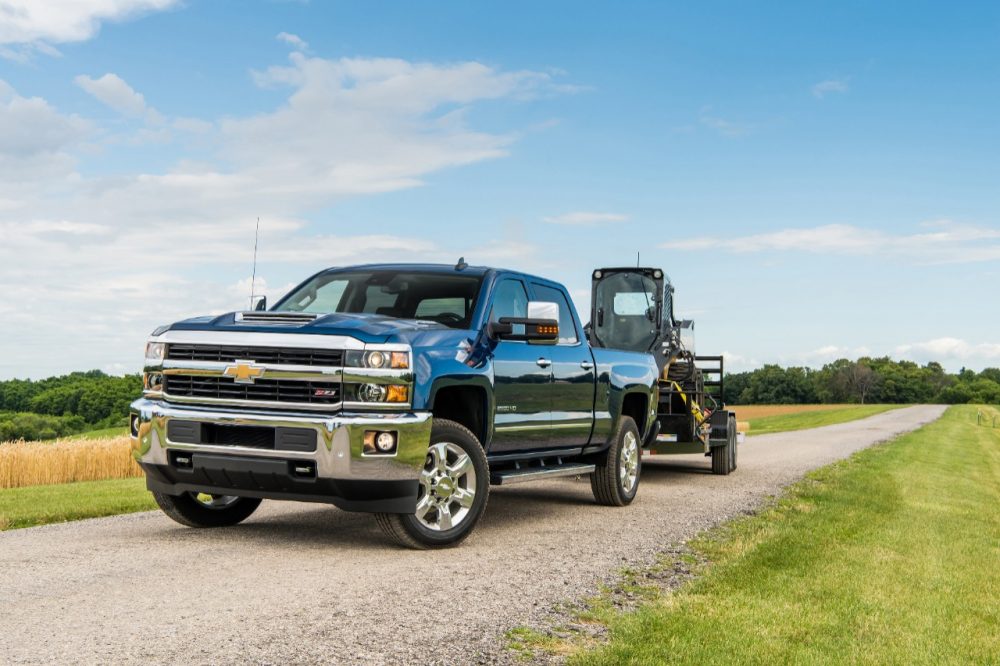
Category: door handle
<point>586,365</point>
<point>543,362</point>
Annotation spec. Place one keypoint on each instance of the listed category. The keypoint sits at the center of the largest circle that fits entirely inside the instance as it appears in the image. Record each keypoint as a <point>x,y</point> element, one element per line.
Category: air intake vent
<point>275,318</point>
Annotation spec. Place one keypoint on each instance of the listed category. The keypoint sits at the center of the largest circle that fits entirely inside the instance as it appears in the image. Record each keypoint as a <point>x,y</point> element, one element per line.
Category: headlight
<point>377,360</point>
<point>155,352</point>
<point>152,381</point>
<point>379,393</point>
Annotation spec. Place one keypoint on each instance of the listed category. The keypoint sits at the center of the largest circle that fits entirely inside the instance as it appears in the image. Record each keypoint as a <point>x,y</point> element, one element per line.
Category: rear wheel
<point>454,488</point>
<point>723,457</point>
<point>615,482</point>
<point>205,510</point>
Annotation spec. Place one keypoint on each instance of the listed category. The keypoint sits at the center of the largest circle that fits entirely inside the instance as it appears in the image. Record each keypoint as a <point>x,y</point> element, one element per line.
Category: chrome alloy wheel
<point>628,462</point>
<point>447,487</point>
<point>214,501</point>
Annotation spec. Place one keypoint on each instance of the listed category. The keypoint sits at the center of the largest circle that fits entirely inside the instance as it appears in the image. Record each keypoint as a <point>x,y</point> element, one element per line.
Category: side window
<point>567,329</point>
<point>510,299</point>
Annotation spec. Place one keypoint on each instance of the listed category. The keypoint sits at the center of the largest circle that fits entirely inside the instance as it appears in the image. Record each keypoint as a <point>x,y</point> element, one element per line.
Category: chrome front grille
<point>270,355</point>
<point>194,387</point>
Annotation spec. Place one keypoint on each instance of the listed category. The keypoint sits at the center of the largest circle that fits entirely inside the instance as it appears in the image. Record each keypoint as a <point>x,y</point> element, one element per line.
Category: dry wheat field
<point>65,460</point>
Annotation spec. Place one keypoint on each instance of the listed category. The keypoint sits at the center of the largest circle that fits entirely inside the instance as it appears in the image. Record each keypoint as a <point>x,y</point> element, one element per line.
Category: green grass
<point>39,505</point>
<point>889,557</point>
<point>116,431</point>
<point>803,420</point>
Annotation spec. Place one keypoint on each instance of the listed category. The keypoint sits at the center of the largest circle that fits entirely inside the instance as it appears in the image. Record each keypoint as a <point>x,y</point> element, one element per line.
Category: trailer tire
<point>722,456</point>
<point>734,439</point>
<point>201,510</point>
<point>464,469</point>
<point>615,482</point>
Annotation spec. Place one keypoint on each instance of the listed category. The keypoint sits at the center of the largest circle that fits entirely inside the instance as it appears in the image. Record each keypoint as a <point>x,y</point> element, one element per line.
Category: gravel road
<point>304,583</point>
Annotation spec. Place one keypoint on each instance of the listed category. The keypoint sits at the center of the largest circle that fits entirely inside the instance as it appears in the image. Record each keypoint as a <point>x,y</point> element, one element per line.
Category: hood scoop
<point>276,318</point>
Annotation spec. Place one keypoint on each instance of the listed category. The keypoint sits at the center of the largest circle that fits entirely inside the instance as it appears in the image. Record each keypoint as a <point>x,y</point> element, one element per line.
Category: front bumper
<point>337,470</point>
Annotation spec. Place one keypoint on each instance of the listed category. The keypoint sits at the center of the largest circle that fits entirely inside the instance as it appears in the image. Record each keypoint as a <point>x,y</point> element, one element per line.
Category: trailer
<point>632,309</point>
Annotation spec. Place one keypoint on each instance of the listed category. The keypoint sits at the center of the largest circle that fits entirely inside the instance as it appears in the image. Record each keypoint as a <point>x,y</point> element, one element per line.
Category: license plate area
<point>270,438</point>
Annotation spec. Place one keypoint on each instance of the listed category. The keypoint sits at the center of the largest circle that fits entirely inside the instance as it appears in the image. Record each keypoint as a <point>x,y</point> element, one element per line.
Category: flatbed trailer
<point>632,309</point>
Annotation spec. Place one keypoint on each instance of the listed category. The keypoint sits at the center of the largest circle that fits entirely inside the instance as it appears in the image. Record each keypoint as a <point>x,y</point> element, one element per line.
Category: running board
<point>507,477</point>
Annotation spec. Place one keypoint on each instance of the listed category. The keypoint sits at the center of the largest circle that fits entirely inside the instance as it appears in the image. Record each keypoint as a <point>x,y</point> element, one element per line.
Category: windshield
<point>440,297</point>
<point>626,311</point>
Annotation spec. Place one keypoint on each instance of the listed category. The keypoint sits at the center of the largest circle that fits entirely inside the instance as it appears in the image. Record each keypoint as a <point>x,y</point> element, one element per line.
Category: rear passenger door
<point>521,384</point>
<point>572,391</point>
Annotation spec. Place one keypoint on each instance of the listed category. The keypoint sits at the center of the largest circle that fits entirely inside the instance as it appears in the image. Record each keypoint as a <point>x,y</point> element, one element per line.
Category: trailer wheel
<point>722,456</point>
<point>616,479</point>
<point>203,510</point>
<point>734,439</point>
<point>454,488</point>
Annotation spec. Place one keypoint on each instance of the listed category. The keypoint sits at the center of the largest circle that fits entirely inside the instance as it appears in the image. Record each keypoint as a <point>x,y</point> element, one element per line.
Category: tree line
<point>865,380</point>
<point>65,405</point>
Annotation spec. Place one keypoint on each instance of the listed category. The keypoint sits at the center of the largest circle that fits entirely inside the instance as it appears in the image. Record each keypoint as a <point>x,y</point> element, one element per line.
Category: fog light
<point>371,392</point>
<point>379,443</point>
<point>385,442</point>
<point>133,425</point>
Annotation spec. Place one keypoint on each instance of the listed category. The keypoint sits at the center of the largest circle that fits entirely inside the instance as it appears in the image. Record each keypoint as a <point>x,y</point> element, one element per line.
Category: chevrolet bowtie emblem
<point>244,372</point>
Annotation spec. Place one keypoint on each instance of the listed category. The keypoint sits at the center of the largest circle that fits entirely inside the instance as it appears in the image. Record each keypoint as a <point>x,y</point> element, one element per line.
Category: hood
<point>369,328</point>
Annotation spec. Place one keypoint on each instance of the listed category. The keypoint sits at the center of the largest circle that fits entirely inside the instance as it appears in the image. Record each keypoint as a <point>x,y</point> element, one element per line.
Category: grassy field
<point>889,557</point>
<point>39,505</point>
<point>764,419</point>
<point>105,433</point>
<point>65,461</point>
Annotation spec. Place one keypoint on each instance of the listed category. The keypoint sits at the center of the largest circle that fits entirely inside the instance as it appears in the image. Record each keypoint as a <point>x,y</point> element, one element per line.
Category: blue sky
<point>819,179</point>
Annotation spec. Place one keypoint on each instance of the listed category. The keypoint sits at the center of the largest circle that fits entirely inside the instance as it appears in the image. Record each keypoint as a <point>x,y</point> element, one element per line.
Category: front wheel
<point>454,487</point>
<point>204,510</point>
<point>616,479</point>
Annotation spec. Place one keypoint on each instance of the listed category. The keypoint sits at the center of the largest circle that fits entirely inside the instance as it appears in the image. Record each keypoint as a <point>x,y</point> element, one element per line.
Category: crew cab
<point>402,390</point>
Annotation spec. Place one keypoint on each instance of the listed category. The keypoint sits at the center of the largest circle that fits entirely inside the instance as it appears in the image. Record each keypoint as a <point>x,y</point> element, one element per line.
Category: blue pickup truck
<point>401,390</point>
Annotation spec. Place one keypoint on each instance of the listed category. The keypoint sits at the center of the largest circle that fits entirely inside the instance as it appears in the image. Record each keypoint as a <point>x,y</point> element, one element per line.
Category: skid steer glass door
<point>626,312</point>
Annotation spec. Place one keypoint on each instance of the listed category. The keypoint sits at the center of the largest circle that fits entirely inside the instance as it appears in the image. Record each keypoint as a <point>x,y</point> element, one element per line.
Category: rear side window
<point>509,300</point>
<point>567,327</point>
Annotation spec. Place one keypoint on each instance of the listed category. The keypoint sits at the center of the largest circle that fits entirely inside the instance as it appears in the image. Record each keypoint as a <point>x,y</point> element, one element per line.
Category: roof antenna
<point>637,260</point>
<point>253,274</point>
<point>461,265</point>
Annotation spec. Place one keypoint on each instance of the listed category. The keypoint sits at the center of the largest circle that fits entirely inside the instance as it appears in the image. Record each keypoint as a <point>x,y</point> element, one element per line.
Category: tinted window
<point>567,328</point>
<point>446,298</point>
<point>510,299</point>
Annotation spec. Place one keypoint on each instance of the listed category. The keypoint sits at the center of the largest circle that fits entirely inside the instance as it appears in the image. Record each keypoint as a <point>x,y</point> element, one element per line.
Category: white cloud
<point>830,86</point>
<point>586,219</point>
<point>944,242</point>
<point>112,91</point>
<point>34,140</point>
<point>948,349</point>
<point>120,254</point>
<point>28,26</point>
<point>294,41</point>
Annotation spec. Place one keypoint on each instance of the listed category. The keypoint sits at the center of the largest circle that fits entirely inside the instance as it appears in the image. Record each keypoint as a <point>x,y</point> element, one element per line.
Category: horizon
<point>819,182</point>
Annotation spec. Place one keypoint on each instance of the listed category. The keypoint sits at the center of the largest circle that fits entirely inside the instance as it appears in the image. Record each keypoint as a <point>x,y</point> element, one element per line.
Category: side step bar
<point>507,477</point>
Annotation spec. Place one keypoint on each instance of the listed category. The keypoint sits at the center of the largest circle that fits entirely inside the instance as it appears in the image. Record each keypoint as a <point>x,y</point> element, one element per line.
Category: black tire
<point>606,480</point>
<point>722,456</point>
<point>407,529</point>
<point>187,510</point>
<point>733,442</point>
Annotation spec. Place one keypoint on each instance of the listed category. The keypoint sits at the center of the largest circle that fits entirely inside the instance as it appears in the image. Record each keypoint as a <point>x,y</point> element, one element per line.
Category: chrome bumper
<point>343,474</point>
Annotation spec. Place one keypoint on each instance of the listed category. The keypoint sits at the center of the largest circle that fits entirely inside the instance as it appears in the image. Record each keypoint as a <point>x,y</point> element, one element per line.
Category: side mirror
<point>541,324</point>
<point>261,304</point>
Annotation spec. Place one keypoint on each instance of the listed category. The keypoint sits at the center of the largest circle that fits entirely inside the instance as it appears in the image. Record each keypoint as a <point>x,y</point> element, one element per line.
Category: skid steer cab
<point>633,309</point>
